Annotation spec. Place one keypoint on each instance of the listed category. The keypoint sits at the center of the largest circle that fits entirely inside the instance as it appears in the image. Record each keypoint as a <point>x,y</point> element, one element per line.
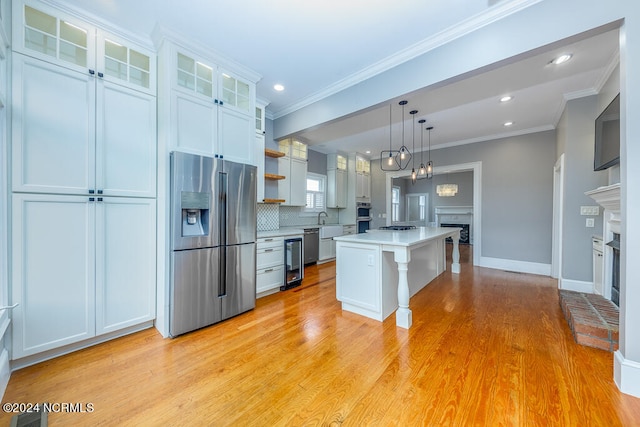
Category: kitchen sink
<point>328,231</point>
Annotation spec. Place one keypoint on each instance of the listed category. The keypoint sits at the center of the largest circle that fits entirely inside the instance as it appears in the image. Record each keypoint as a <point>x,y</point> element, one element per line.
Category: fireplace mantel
<point>608,197</point>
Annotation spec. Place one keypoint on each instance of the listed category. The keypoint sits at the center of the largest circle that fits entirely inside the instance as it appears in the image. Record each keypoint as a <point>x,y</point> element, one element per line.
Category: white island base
<point>378,271</point>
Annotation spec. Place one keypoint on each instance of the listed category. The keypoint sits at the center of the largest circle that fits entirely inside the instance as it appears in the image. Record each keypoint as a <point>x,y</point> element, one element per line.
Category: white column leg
<point>403,314</point>
<point>455,256</point>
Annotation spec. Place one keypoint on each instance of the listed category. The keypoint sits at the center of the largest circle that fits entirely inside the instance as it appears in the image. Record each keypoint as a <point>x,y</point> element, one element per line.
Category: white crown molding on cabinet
<point>463,28</point>
<point>160,33</point>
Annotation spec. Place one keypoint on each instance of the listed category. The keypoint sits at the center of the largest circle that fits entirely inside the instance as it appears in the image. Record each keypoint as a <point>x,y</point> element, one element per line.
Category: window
<point>395,204</point>
<point>315,193</point>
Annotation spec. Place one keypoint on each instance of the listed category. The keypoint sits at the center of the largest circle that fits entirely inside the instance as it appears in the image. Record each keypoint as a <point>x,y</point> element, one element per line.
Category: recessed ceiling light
<point>561,59</point>
<point>508,123</point>
<point>368,152</point>
<point>506,98</point>
<point>278,87</point>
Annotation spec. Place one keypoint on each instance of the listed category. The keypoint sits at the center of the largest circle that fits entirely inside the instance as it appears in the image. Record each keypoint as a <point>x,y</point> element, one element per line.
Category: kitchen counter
<point>378,271</point>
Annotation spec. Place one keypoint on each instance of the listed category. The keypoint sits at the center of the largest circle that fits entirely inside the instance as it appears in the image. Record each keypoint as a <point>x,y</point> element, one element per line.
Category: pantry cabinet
<point>84,155</point>
<point>82,266</point>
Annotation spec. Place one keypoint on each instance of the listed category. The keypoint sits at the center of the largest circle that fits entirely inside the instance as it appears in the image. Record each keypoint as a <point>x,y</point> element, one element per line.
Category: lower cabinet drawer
<point>267,257</point>
<point>269,278</point>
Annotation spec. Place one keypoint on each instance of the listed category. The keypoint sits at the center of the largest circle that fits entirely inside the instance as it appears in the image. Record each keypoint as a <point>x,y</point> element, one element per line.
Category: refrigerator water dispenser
<point>195,213</point>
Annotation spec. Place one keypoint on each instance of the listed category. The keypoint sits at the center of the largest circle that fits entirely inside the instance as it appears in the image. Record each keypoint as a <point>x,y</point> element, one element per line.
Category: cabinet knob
<point>91,191</point>
<point>100,75</point>
<point>92,199</point>
<point>92,72</point>
<point>99,191</point>
<point>99,199</point>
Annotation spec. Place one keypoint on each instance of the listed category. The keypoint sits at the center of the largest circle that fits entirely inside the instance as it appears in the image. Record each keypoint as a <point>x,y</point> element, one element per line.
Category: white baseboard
<point>5,371</point>
<point>517,266</point>
<point>575,285</point>
<point>626,374</point>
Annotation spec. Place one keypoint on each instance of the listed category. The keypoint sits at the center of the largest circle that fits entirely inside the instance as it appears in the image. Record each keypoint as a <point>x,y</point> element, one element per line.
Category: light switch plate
<point>590,210</point>
<point>590,222</point>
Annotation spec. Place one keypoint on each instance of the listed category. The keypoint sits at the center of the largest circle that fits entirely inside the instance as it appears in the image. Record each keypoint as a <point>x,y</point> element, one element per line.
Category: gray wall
<point>463,198</point>
<point>517,193</point>
<point>575,140</point>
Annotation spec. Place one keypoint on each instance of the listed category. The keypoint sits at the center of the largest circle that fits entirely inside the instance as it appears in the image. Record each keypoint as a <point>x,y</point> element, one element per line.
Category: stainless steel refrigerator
<point>213,235</point>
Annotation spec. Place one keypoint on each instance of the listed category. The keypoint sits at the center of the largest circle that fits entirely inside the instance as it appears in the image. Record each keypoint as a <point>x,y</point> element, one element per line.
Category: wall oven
<point>363,216</point>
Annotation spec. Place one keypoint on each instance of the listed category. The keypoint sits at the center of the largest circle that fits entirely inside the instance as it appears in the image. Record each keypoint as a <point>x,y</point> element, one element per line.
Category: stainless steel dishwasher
<point>311,245</point>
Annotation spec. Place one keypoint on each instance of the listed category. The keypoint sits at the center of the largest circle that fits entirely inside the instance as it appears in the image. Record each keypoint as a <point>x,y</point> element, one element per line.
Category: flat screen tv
<point>607,144</point>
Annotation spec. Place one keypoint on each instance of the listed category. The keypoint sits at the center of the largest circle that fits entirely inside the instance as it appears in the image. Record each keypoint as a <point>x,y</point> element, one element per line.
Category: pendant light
<point>422,170</point>
<point>388,157</point>
<point>404,155</point>
<point>414,175</point>
<point>429,163</point>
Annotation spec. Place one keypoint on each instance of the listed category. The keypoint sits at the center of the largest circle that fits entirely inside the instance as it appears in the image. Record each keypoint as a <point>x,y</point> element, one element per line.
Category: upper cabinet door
<point>236,93</point>
<point>125,141</point>
<point>48,34</point>
<point>125,64</point>
<point>53,132</point>
<point>195,77</point>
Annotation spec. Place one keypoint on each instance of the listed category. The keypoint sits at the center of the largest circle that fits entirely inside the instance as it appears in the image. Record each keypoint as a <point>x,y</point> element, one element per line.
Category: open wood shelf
<point>273,176</point>
<point>273,200</point>
<point>273,153</point>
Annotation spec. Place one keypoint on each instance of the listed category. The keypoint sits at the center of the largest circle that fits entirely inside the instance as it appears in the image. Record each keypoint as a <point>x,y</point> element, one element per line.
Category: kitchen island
<point>378,271</point>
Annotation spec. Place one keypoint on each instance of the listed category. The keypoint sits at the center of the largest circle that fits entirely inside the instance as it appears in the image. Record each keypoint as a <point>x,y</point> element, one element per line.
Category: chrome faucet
<point>325,214</point>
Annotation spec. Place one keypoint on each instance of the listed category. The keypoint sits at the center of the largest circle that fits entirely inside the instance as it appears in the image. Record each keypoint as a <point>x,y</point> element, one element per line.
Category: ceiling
<point>317,47</point>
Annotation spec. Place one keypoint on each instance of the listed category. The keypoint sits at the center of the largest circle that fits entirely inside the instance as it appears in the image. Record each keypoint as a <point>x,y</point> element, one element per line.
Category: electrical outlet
<point>590,222</point>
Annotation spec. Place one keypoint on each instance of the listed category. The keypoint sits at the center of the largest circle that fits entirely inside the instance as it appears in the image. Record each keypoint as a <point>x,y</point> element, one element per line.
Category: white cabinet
<point>293,166</point>
<point>83,136</point>
<point>363,187</point>
<point>125,262</point>
<point>269,265</point>
<point>212,110</point>
<point>336,181</point>
<point>77,130</point>
<point>81,268</point>
<point>363,179</point>
<point>51,35</point>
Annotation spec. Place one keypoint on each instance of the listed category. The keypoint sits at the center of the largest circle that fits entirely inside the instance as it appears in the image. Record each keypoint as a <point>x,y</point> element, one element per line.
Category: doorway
<point>476,168</point>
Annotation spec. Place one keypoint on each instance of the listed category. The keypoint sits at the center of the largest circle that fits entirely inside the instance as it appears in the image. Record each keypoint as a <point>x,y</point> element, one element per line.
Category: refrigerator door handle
<point>222,207</point>
<point>222,214</point>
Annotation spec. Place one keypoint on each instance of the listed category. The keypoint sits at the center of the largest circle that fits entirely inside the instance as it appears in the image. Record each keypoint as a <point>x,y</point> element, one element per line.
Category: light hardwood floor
<point>487,348</point>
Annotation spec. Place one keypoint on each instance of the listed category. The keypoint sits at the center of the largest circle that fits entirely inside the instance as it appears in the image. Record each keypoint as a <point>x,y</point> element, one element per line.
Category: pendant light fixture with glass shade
<point>429,162</point>
<point>388,157</point>
<point>414,174</point>
<point>422,170</point>
<point>404,155</point>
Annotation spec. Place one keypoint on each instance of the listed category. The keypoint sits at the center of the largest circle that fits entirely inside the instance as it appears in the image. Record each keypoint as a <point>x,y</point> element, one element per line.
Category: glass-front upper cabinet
<point>46,33</point>
<point>205,79</point>
<point>125,63</point>
<point>194,76</point>
<point>235,92</point>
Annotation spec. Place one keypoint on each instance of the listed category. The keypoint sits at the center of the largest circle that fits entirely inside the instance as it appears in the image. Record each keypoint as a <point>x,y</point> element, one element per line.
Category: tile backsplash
<point>268,218</point>
<point>272,217</point>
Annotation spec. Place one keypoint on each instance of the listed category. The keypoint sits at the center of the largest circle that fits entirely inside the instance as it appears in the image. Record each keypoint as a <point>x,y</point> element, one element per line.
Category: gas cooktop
<point>398,227</point>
